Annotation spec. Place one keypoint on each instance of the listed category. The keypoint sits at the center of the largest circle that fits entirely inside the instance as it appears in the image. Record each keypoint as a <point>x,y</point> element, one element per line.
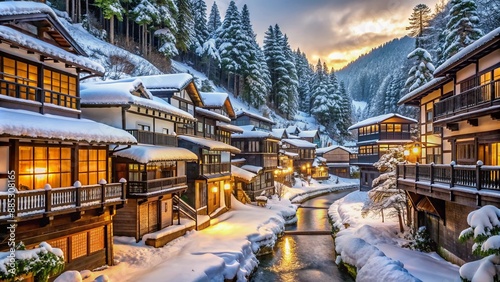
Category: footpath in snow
<point>225,250</point>
<point>374,247</point>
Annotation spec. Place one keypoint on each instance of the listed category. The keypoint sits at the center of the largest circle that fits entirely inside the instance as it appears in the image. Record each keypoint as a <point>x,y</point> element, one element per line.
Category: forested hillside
<point>277,77</point>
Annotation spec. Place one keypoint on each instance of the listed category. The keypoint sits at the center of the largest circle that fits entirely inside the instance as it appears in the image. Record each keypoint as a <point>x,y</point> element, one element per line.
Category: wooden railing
<point>33,93</point>
<point>26,203</point>
<point>155,185</point>
<point>217,168</point>
<point>185,209</point>
<point>474,176</point>
<point>482,95</point>
<point>153,138</point>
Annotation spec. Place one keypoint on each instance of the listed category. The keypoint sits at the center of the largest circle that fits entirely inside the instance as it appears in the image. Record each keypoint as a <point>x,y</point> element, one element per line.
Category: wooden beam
<point>452,126</point>
<point>473,121</point>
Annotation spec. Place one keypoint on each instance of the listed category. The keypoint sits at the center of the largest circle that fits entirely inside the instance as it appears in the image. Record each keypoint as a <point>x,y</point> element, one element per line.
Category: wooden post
<point>103,183</point>
<point>452,180</point>
<point>123,181</point>
<point>432,173</point>
<point>48,198</point>
<point>416,172</point>
<point>478,174</point>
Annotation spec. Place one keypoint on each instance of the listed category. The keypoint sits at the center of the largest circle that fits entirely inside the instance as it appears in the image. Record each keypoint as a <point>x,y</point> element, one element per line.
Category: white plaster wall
<point>109,116</point>
<point>485,124</point>
<point>132,120</point>
<point>225,157</point>
<point>466,72</point>
<point>489,60</point>
<point>181,168</point>
<point>160,124</point>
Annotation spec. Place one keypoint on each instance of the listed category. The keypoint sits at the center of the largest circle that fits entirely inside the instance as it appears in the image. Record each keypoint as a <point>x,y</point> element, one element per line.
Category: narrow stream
<point>304,257</point>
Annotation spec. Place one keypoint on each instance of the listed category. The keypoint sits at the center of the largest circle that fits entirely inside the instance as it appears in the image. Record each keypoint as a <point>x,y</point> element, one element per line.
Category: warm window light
<point>303,167</point>
<point>406,153</point>
<point>415,150</point>
<point>214,189</point>
<point>227,186</point>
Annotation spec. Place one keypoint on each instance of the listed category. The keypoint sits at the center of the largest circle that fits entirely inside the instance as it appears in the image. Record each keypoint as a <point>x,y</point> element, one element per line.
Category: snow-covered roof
<point>214,99</point>
<point>240,160</point>
<point>30,124</point>
<point>333,147</point>
<point>252,168</point>
<point>299,143</point>
<point>22,40</point>
<point>229,127</point>
<point>290,154</point>
<point>318,161</point>
<point>278,132</point>
<point>175,81</point>
<point>292,129</point>
<point>379,119</point>
<point>210,144</point>
<point>242,173</point>
<point>424,89</point>
<point>149,153</point>
<point>120,93</point>
<point>474,48</point>
<point>212,114</point>
<point>249,127</point>
<point>308,133</point>
<point>251,134</point>
<point>241,112</point>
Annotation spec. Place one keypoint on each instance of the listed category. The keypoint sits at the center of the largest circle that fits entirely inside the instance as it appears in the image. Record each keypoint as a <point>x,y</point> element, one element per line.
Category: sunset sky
<point>335,31</point>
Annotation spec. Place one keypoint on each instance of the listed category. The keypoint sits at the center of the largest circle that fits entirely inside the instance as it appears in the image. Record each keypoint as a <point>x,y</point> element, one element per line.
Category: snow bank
<point>374,247</point>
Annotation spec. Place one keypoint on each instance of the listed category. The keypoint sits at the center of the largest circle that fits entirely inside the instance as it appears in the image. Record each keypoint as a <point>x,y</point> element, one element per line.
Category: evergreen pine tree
<point>256,82</point>
<point>462,28</point>
<point>419,22</point>
<point>214,19</point>
<point>185,34</point>
<point>200,24</point>
<point>275,59</point>
<point>304,75</point>
<point>110,10</point>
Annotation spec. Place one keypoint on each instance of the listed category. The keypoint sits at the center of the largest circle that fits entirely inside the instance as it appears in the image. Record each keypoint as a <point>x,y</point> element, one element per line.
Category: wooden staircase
<point>183,208</point>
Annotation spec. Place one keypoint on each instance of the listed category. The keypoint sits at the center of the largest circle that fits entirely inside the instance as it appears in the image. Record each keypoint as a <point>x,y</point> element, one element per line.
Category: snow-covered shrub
<point>422,242</point>
<point>485,230</point>
<point>91,25</point>
<point>385,194</point>
<point>41,262</point>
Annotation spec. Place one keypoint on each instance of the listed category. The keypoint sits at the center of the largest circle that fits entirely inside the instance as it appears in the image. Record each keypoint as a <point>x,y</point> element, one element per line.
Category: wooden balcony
<point>156,186</point>
<point>477,98</point>
<point>38,203</point>
<point>218,168</point>
<point>153,138</point>
<point>31,93</point>
<point>473,185</point>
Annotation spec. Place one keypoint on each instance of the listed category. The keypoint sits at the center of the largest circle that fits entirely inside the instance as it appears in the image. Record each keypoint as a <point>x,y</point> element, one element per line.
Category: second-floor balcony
<point>452,176</point>
<point>153,138</point>
<point>156,186</point>
<point>22,205</point>
<point>26,92</point>
<point>216,168</point>
<point>477,98</point>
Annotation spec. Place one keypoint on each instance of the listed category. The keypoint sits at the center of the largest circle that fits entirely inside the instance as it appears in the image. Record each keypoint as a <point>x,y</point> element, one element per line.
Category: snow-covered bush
<point>422,242</point>
<point>485,230</point>
<point>385,194</point>
<point>41,262</point>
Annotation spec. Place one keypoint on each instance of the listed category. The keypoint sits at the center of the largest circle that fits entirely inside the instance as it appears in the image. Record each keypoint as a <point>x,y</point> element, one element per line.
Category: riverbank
<point>374,247</point>
<point>225,250</point>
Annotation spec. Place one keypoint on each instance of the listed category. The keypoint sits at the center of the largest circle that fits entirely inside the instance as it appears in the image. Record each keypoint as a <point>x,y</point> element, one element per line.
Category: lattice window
<point>96,239</point>
<point>79,245</point>
<point>61,243</point>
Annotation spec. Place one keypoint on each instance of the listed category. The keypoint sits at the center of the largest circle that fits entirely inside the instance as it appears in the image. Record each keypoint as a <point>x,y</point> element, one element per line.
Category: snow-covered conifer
<point>214,19</point>
<point>462,28</point>
<point>422,70</point>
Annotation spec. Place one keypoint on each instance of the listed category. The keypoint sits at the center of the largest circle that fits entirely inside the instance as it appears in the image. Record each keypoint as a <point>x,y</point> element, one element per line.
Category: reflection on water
<point>306,258</point>
<point>288,262</point>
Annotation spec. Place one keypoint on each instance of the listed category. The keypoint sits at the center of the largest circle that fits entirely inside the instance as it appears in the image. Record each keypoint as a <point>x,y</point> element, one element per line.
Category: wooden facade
<point>460,136</point>
<point>376,136</point>
<point>156,167</point>
<point>60,174</point>
<point>260,151</point>
<point>338,159</point>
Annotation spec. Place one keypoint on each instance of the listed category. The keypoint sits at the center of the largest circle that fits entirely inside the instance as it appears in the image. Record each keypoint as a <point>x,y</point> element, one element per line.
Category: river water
<point>304,257</point>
